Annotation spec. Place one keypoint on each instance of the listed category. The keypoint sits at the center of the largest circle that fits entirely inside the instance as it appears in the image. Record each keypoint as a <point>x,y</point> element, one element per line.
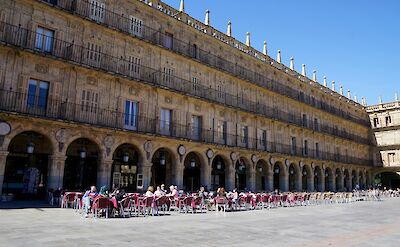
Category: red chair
<point>220,202</point>
<point>242,202</point>
<point>185,204</point>
<point>197,204</point>
<point>161,203</point>
<point>68,198</point>
<point>146,205</point>
<point>127,206</point>
<point>101,204</point>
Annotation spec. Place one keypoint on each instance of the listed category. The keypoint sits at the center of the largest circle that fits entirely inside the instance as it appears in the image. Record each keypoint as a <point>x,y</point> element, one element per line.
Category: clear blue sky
<point>354,42</point>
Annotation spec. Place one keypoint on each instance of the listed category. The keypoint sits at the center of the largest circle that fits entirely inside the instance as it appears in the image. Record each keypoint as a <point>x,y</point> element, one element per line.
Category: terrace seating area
<point>138,205</point>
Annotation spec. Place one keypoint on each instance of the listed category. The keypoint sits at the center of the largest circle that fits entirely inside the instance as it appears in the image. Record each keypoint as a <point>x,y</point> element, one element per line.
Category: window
<point>305,147</point>
<point>244,134</point>
<point>44,39</point>
<point>131,115</point>
<point>316,124</point>
<point>134,66</point>
<point>168,42</point>
<point>337,153</point>
<point>388,120</point>
<point>391,158</point>
<point>196,127</point>
<point>136,26</point>
<point>317,149</point>
<point>220,91</point>
<point>195,85</point>
<point>97,11</point>
<point>263,138</point>
<point>89,101</point>
<point>194,51</point>
<point>293,146</point>
<point>37,94</point>
<point>165,121</point>
<point>304,120</point>
<point>221,130</point>
<point>168,75</point>
<point>93,52</point>
<point>376,122</point>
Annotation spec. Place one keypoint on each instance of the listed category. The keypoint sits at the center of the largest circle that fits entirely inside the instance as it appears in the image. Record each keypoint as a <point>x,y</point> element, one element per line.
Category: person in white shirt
<point>150,191</point>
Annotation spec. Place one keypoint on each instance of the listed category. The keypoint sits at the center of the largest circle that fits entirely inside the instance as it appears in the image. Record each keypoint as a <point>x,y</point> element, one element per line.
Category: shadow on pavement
<point>25,204</point>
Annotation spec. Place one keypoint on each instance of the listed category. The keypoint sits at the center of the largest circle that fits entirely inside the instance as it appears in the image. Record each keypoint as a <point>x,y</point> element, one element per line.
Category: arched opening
<point>347,180</point>
<point>80,170</point>
<point>125,168</point>
<point>279,177</point>
<point>161,169</point>
<point>388,180</point>
<point>329,180</point>
<point>218,173</point>
<point>338,180</point>
<point>318,179</point>
<point>191,173</point>
<point>261,176</point>
<point>304,179</point>
<point>26,168</point>
<point>292,178</point>
<point>241,174</point>
<point>354,184</point>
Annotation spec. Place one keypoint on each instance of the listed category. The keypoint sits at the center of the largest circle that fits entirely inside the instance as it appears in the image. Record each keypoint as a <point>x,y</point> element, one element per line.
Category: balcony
<point>123,24</point>
<point>101,117</point>
<point>25,39</point>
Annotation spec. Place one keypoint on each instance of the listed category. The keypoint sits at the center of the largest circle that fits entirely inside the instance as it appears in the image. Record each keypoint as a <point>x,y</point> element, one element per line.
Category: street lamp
<point>304,173</point>
<point>193,163</point>
<point>260,169</point>
<point>30,148</point>
<point>125,157</point>
<point>219,165</point>
<point>162,159</point>
<point>276,170</point>
<point>82,153</point>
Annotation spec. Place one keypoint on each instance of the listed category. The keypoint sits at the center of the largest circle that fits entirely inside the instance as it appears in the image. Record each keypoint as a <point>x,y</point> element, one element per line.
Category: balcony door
<point>165,121</point>
<point>131,115</point>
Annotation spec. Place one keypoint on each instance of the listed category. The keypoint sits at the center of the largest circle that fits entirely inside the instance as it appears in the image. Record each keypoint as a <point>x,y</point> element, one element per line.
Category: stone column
<point>270,181</point>
<point>146,172</point>
<point>322,182</point>
<point>284,182</point>
<point>299,181</point>
<point>3,161</point>
<point>230,176</point>
<point>104,173</point>
<point>55,175</point>
<point>177,176</point>
<point>205,174</point>
<point>310,182</point>
<point>252,181</point>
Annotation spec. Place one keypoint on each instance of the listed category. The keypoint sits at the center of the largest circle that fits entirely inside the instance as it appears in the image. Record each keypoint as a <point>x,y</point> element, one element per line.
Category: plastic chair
<point>102,204</point>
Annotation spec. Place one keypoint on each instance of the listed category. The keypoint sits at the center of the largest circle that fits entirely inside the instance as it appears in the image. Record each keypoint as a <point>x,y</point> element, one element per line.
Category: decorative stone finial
<point>380,99</point>
<point>207,19</point>
<point>355,99</point>
<point>348,94</point>
<point>325,84</point>
<point>396,97</point>
<point>314,75</point>
<point>303,70</point>
<point>265,50</point>
<point>291,63</point>
<point>229,30</point>
<point>248,38</point>
<point>364,101</point>
<point>182,6</point>
<point>333,86</point>
<point>278,57</point>
<point>341,90</point>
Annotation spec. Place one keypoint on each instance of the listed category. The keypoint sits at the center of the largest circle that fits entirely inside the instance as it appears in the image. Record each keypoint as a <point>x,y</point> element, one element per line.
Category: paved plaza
<point>356,224</point>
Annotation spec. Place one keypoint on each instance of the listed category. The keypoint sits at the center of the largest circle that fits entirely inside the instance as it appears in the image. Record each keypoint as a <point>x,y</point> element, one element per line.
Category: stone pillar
<point>270,181</point>
<point>146,172</point>
<point>252,181</point>
<point>55,175</point>
<point>104,173</point>
<point>205,174</point>
<point>177,176</point>
<point>284,182</point>
<point>3,161</point>
<point>299,181</point>
<point>310,182</point>
<point>230,176</point>
<point>322,182</point>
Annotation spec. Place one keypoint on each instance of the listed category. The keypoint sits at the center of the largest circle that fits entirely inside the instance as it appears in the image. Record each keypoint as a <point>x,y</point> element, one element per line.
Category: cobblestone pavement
<point>355,224</point>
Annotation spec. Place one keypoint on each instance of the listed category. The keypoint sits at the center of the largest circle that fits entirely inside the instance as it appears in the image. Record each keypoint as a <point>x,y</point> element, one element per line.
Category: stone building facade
<point>385,122</point>
<point>136,93</point>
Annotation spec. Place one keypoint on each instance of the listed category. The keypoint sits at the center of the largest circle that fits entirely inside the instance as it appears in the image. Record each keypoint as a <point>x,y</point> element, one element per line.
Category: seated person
<point>88,199</point>
<point>149,191</point>
<point>159,192</point>
<point>173,191</point>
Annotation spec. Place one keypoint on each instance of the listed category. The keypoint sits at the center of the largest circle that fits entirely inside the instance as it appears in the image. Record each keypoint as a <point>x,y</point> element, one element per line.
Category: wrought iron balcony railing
<point>54,109</point>
<point>76,54</point>
<point>124,24</point>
